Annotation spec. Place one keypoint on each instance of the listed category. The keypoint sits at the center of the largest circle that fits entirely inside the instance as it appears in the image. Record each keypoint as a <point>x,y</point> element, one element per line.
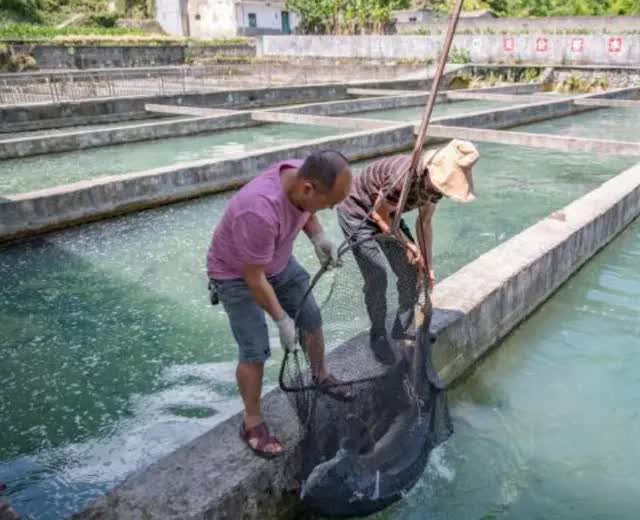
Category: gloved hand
<point>326,251</point>
<point>287,330</point>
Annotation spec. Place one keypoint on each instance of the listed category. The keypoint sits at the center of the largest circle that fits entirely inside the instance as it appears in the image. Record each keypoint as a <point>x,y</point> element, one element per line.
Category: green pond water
<point>43,171</point>
<point>439,110</point>
<point>618,124</point>
<point>548,425</point>
<point>112,356</point>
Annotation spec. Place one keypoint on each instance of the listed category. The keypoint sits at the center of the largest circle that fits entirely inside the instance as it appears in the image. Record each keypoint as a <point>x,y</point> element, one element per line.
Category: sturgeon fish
<point>356,482</point>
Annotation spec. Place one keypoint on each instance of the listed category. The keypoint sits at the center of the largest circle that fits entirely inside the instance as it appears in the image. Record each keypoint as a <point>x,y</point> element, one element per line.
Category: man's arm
<point>326,250</point>
<point>313,226</point>
<point>381,214</point>
<point>262,291</point>
<point>424,229</point>
<point>265,296</point>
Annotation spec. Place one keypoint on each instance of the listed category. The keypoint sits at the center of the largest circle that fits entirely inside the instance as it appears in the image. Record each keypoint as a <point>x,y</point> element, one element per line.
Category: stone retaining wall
<point>602,49</point>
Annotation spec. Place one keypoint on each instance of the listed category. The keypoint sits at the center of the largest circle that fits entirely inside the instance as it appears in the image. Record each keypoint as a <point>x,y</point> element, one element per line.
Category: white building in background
<point>223,18</point>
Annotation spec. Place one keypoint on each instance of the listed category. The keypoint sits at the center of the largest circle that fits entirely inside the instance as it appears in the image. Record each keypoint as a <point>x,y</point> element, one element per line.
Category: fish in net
<point>362,454</point>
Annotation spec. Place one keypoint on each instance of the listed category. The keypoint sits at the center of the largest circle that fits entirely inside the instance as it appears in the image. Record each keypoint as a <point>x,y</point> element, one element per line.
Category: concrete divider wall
<point>353,106</point>
<point>77,140</point>
<point>613,49</point>
<point>23,147</point>
<point>513,116</point>
<point>485,300</point>
<point>216,477</point>
<point>38,116</point>
<point>35,212</point>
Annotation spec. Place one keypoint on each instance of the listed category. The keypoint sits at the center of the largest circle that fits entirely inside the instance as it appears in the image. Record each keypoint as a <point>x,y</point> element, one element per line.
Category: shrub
<point>104,19</point>
<point>459,56</point>
<point>26,9</point>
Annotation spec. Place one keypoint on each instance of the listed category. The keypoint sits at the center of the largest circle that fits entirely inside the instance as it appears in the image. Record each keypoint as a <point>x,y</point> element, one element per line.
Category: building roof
<point>484,13</point>
<point>412,11</point>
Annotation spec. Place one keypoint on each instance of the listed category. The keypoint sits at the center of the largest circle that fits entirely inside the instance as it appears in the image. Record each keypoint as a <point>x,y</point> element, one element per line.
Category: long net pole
<point>426,117</point>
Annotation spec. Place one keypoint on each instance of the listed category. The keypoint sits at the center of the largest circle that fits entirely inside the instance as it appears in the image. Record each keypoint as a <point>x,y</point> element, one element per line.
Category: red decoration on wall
<point>542,45</point>
<point>509,44</point>
<point>577,44</point>
<point>615,44</point>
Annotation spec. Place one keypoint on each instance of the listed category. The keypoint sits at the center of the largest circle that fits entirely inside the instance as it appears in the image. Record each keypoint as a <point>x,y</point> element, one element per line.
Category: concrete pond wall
<point>36,212</point>
<point>71,113</point>
<point>39,116</point>
<point>110,56</point>
<point>600,49</point>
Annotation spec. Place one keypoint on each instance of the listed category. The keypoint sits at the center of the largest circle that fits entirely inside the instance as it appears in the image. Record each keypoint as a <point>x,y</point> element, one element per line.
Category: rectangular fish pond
<point>617,124</point>
<point>112,355</point>
<point>548,425</point>
<point>90,127</point>
<point>455,108</point>
<point>43,171</point>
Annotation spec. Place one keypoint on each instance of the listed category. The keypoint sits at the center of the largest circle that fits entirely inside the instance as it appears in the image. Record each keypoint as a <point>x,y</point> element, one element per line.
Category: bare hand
<point>414,257</point>
<point>432,280</point>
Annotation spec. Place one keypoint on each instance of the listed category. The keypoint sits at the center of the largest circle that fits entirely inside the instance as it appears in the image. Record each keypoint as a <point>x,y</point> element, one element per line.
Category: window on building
<point>413,19</point>
<point>253,20</point>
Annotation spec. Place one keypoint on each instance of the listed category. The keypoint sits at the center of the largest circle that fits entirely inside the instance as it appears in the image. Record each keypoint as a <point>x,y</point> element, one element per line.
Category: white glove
<point>287,329</point>
<point>326,251</point>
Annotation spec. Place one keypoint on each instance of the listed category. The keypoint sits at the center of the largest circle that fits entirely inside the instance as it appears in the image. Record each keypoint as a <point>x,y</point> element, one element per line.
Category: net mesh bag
<point>367,437</point>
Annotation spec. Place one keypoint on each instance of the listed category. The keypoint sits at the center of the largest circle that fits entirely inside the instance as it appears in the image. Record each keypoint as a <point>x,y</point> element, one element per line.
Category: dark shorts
<point>247,319</point>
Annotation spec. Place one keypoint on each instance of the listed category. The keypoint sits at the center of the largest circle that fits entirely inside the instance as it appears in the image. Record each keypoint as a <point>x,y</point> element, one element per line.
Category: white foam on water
<point>438,464</point>
<point>152,432</point>
<point>222,371</point>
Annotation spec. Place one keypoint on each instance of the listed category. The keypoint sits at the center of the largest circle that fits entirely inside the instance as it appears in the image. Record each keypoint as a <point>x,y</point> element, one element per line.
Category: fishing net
<point>361,454</point>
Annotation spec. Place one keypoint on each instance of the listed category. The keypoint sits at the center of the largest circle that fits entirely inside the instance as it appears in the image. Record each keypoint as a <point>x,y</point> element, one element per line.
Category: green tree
<point>580,7</point>
<point>30,10</point>
<point>629,7</point>
<point>345,16</point>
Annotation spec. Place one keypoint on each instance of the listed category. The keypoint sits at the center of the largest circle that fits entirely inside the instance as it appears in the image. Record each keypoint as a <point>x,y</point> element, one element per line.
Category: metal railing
<point>71,86</point>
<point>55,87</point>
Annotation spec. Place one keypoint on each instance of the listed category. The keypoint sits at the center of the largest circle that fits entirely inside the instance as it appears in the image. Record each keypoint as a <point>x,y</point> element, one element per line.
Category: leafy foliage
<point>459,56</point>
<point>104,18</point>
<point>345,16</point>
<point>374,16</point>
<point>546,7</point>
<point>25,32</point>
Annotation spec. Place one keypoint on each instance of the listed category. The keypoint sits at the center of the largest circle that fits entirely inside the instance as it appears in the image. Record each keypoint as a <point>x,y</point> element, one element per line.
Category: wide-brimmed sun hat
<point>450,169</point>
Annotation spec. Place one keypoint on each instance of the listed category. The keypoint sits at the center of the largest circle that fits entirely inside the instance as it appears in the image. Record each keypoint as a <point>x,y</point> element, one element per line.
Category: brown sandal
<point>335,388</point>
<point>260,434</point>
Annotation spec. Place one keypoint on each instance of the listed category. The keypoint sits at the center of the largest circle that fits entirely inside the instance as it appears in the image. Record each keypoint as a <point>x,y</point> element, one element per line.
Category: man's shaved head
<point>323,168</point>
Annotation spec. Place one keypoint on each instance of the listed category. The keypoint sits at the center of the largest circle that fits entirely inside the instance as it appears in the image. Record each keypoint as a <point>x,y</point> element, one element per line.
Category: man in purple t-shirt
<point>251,267</point>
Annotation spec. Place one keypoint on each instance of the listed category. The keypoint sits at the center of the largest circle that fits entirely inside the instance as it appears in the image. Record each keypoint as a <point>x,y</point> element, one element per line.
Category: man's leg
<point>374,273</point>
<point>407,286</point>
<point>250,331</point>
<point>290,287</point>
<point>407,280</point>
<point>249,377</point>
<point>372,266</point>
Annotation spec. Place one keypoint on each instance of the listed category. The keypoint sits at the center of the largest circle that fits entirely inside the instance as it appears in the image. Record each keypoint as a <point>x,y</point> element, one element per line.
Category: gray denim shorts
<point>247,319</point>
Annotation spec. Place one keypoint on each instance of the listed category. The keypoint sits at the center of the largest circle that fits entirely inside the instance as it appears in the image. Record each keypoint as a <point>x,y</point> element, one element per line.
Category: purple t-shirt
<point>258,227</point>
